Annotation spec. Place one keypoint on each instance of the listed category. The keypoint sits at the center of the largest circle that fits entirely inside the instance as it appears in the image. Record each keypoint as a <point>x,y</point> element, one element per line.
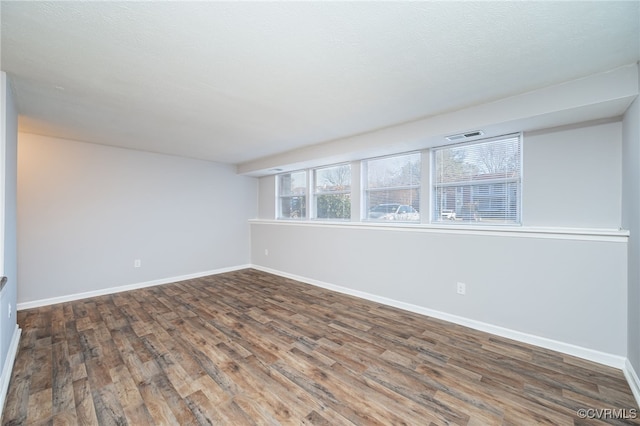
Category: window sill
<point>590,234</point>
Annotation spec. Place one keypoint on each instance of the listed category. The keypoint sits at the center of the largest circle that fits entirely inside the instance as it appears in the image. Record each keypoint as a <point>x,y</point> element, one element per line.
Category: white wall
<point>572,291</point>
<point>9,119</point>
<point>87,211</point>
<point>631,221</point>
<point>267,197</point>
<point>572,177</point>
<point>567,288</point>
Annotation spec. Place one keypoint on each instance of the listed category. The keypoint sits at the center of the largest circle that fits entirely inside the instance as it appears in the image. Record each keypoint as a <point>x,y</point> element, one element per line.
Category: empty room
<point>327,213</point>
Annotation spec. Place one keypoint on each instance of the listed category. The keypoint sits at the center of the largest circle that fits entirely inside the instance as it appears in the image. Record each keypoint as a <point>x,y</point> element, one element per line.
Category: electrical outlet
<point>137,263</point>
<point>9,314</point>
<point>462,288</point>
<point>266,252</point>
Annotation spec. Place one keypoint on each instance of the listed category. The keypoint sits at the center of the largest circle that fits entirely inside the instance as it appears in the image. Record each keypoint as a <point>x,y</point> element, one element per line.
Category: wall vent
<point>463,136</point>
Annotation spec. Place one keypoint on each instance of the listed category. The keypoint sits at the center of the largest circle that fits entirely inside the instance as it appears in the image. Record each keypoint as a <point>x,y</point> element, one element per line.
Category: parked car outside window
<point>394,211</point>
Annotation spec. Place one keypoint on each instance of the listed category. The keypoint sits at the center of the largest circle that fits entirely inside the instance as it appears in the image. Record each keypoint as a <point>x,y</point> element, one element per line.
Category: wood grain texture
<point>248,347</point>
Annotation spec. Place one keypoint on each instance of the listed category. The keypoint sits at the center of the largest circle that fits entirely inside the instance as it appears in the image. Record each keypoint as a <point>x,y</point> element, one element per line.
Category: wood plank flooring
<point>251,348</point>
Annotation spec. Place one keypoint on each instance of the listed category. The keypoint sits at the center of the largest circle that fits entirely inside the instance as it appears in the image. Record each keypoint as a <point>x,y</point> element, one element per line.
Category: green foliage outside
<point>334,206</point>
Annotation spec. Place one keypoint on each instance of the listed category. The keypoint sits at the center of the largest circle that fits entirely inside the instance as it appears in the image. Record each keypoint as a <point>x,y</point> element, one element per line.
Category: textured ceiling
<point>236,81</point>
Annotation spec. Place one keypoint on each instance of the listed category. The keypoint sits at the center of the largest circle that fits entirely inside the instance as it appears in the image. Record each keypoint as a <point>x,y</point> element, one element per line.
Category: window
<point>292,195</point>
<point>332,192</point>
<point>392,188</point>
<point>480,181</point>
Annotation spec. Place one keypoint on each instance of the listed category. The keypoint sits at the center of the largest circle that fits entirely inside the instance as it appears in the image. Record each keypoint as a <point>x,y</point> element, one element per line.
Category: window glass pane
<point>486,160</point>
<point>333,206</point>
<point>292,183</point>
<point>401,170</point>
<point>478,182</point>
<point>332,190</point>
<point>333,179</point>
<point>293,207</point>
<point>292,195</point>
<point>392,188</point>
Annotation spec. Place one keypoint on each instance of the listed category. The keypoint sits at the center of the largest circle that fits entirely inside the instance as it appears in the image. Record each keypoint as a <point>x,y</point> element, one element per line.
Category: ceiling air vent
<point>463,136</point>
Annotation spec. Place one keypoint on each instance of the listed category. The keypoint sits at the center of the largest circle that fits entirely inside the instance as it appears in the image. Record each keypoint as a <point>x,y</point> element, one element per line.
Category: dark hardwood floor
<point>251,348</point>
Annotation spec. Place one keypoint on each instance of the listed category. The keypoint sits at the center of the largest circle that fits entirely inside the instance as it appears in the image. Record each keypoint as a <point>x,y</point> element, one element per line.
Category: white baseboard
<point>632,378</point>
<point>111,290</point>
<point>7,368</point>
<point>566,348</point>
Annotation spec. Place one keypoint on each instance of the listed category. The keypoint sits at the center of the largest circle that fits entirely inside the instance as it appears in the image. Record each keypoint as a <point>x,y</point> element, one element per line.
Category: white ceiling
<point>237,81</point>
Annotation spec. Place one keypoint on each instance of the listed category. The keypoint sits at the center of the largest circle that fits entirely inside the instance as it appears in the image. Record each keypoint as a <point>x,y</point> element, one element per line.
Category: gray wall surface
<point>566,290</point>
<point>87,211</point>
<point>572,177</point>
<point>8,298</point>
<point>631,221</point>
<point>267,197</point>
